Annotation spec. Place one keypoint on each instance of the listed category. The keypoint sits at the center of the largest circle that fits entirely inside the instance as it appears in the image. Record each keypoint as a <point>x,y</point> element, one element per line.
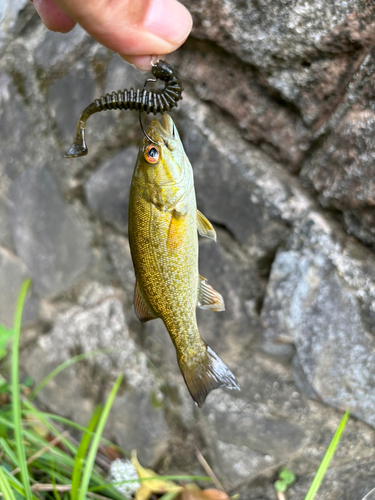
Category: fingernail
<point>141,62</point>
<point>169,20</point>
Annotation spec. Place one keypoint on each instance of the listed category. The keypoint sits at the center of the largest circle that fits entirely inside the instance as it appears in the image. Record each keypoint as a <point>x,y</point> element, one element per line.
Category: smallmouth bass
<point>163,233</point>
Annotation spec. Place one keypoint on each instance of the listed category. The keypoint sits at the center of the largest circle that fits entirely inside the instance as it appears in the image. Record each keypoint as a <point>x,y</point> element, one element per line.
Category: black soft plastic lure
<point>157,101</point>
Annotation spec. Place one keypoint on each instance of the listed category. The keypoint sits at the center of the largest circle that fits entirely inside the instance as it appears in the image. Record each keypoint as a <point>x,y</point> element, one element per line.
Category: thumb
<point>136,30</point>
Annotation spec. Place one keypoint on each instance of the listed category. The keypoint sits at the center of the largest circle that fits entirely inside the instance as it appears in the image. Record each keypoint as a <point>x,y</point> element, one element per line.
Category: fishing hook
<point>144,88</point>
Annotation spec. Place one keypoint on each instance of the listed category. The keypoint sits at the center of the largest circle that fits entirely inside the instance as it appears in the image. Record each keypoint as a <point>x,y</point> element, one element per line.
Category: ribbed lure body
<point>157,101</point>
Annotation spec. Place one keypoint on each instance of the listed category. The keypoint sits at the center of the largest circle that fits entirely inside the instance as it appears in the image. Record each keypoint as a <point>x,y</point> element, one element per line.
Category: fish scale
<point>163,235</point>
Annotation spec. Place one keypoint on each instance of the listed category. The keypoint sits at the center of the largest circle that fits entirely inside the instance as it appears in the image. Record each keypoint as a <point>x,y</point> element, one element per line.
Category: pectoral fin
<point>204,227</point>
<point>141,308</point>
<point>208,298</point>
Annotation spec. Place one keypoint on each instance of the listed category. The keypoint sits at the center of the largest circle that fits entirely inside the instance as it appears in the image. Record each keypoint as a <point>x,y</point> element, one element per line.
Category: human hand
<point>135,29</point>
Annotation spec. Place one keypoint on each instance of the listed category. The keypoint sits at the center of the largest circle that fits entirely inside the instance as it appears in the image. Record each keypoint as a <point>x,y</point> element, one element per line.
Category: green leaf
<point>287,476</point>
<point>315,485</point>
<point>21,453</point>
<point>96,440</point>
<point>280,486</point>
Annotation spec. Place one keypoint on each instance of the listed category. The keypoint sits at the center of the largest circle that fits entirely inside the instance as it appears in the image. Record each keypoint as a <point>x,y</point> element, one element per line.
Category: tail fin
<point>207,374</point>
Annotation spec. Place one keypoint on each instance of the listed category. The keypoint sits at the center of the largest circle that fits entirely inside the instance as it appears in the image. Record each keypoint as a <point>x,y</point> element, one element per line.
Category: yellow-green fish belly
<point>165,253</point>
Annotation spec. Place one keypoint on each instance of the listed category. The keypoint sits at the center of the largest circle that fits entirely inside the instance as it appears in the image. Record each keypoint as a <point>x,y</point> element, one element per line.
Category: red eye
<point>152,154</point>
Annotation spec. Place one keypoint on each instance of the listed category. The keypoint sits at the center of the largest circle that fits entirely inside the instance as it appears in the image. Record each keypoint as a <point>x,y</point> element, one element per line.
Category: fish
<point>163,234</point>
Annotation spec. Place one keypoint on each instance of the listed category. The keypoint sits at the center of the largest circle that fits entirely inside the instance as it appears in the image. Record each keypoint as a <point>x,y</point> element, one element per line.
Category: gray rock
<point>97,323</point>
<point>240,92</point>
<point>54,48</point>
<point>285,428</point>
<point>107,190</point>
<point>15,125</point>
<point>12,274</point>
<point>308,302</point>
<point>14,14</point>
<point>68,97</point>
<point>342,169</point>
<point>343,172</point>
<point>119,251</point>
<point>215,177</point>
<point>302,55</point>
<point>350,481</point>
<point>47,236</point>
<point>6,238</point>
<point>361,223</point>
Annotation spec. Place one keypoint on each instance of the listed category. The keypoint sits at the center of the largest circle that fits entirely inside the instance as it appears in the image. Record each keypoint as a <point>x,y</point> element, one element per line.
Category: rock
<point>350,481</point>
<point>12,274</point>
<point>15,125</point>
<point>304,56</point>
<point>14,15</point>
<point>270,424</point>
<point>240,92</point>
<point>119,251</point>
<point>270,90</point>
<point>97,323</point>
<point>330,324</point>
<point>361,223</point>
<point>55,48</point>
<point>107,190</point>
<point>234,276</point>
<point>67,99</point>
<point>343,172</point>
<point>215,177</point>
<point>47,236</point>
<point>6,238</point>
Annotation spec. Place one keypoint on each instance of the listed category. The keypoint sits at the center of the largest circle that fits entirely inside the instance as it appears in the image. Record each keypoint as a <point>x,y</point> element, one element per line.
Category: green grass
<point>317,481</point>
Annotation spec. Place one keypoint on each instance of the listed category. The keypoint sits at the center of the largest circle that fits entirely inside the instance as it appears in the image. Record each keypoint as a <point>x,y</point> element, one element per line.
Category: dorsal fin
<point>204,227</point>
<point>208,298</point>
<point>142,310</point>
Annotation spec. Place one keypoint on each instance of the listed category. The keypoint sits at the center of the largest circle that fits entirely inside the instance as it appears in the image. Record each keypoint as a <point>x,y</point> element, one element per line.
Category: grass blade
<point>5,488</point>
<point>315,485</point>
<point>21,454</point>
<point>81,452</point>
<point>96,440</point>
<point>65,365</point>
<point>8,452</point>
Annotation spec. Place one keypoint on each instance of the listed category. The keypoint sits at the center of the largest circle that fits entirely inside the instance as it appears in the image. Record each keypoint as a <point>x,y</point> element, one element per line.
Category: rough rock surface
<point>97,325</point>
<point>47,235</point>
<point>107,190</point>
<point>277,119</point>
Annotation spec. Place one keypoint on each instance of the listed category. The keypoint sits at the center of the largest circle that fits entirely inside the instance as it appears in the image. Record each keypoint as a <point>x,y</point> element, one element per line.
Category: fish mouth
<point>162,132</point>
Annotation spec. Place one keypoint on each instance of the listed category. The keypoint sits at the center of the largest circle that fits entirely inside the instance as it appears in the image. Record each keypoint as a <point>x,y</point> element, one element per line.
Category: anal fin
<point>208,298</point>
<point>204,227</point>
<point>142,309</point>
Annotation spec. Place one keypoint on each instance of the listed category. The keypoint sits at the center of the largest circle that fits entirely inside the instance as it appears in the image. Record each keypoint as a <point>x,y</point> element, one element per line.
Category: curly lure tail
<point>158,101</point>
<point>206,373</point>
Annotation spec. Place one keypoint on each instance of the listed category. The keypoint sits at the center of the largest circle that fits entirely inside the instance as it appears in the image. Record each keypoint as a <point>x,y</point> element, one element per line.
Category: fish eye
<point>152,154</point>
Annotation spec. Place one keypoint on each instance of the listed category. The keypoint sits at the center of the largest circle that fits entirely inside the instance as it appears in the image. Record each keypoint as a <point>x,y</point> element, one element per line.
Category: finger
<point>141,62</point>
<point>53,17</point>
<point>141,28</point>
